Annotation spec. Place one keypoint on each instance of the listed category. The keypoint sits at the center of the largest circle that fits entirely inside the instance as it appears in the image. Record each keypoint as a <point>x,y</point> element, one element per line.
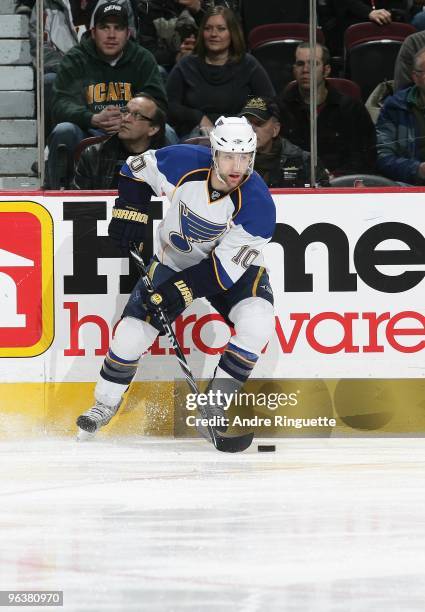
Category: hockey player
<point>209,245</point>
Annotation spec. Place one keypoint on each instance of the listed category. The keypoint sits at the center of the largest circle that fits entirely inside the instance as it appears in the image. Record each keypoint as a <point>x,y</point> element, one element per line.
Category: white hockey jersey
<point>230,228</point>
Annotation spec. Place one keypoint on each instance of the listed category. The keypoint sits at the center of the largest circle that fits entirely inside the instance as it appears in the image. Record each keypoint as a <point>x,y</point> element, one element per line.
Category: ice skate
<point>96,417</point>
<point>85,436</point>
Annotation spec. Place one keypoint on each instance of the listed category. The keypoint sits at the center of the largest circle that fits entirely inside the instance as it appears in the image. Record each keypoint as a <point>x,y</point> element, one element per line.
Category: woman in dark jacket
<point>216,79</point>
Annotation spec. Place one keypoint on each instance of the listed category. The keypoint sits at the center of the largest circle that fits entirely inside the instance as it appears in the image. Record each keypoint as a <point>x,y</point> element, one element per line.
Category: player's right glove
<point>128,224</point>
<point>173,296</point>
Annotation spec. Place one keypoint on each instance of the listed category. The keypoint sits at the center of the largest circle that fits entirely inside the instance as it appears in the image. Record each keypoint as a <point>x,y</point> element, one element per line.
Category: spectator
<point>381,12</point>
<point>217,78</point>
<point>168,28</point>
<point>401,130</point>
<point>375,101</point>
<point>404,63</point>
<point>278,161</point>
<point>377,11</point>
<point>130,7</point>
<point>326,16</point>
<point>142,128</point>
<point>94,80</point>
<point>83,12</point>
<point>417,14</point>
<point>59,36</point>
<point>346,141</point>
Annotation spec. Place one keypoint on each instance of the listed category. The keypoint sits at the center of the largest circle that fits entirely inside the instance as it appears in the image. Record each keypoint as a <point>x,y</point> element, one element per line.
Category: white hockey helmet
<point>233,135</point>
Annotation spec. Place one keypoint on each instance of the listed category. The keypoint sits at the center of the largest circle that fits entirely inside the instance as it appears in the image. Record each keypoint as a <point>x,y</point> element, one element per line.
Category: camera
<point>185,29</point>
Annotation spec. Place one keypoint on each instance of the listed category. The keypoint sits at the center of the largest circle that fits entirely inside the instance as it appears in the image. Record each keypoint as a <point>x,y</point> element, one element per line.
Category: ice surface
<point>165,525</point>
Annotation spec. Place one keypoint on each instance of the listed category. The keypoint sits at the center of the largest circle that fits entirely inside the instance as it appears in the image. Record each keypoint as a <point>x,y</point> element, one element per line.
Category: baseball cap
<point>261,108</point>
<point>111,9</point>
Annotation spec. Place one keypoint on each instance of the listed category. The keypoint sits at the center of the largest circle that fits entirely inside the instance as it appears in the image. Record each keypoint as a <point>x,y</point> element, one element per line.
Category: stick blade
<point>223,443</point>
<point>233,444</point>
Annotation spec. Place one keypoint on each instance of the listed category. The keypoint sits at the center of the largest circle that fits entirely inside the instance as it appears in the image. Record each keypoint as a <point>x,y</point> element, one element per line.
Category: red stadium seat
<point>370,53</point>
<point>86,142</point>
<point>365,32</point>
<point>198,140</point>
<point>254,13</point>
<point>282,31</point>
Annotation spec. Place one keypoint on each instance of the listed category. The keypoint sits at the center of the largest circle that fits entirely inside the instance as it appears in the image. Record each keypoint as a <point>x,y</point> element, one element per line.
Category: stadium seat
<point>255,13</point>
<point>86,142</point>
<point>362,180</point>
<point>273,31</point>
<point>367,31</point>
<point>274,47</point>
<point>370,52</point>
<point>198,140</point>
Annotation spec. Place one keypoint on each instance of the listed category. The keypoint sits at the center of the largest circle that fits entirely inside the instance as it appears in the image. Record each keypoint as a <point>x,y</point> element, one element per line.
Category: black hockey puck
<point>266,448</point>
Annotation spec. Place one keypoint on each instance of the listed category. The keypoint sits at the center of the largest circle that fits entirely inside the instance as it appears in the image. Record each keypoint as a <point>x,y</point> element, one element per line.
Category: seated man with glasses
<point>142,128</point>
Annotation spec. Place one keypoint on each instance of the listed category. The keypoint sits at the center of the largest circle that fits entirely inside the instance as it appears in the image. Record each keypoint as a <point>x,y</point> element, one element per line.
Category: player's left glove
<point>128,224</point>
<point>173,296</point>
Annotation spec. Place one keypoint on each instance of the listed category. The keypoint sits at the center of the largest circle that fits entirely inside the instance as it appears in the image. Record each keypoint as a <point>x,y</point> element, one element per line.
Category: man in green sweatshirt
<point>94,80</point>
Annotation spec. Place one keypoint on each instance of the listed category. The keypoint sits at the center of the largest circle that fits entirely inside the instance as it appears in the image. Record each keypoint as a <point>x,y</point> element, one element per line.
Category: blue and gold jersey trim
<point>125,171</point>
<point>222,277</point>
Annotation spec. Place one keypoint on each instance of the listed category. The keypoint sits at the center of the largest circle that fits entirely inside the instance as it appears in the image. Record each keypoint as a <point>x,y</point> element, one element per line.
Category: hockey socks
<point>115,376</point>
<point>237,362</point>
<point>118,370</point>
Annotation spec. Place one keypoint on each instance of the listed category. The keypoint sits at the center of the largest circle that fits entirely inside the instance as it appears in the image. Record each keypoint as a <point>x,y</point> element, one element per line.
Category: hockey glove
<point>128,224</point>
<point>173,297</point>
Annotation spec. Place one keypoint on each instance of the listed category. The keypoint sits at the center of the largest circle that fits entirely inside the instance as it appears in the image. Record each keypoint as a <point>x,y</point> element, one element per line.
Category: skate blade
<point>85,436</point>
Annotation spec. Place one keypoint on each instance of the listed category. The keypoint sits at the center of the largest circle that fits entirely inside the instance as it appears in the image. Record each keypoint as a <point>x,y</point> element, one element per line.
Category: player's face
<point>233,167</point>
<point>110,38</point>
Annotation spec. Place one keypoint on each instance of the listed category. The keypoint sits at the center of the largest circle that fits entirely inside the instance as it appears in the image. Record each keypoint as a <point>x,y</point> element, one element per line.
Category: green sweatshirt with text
<point>86,83</point>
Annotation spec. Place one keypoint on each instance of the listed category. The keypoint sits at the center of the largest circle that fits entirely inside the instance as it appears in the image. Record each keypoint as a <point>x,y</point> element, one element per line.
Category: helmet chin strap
<point>217,170</point>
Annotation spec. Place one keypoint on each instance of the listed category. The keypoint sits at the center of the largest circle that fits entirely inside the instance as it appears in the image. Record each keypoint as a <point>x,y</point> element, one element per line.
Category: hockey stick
<point>226,444</point>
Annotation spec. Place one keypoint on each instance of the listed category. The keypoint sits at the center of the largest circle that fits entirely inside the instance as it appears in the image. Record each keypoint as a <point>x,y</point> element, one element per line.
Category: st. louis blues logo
<point>194,228</point>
